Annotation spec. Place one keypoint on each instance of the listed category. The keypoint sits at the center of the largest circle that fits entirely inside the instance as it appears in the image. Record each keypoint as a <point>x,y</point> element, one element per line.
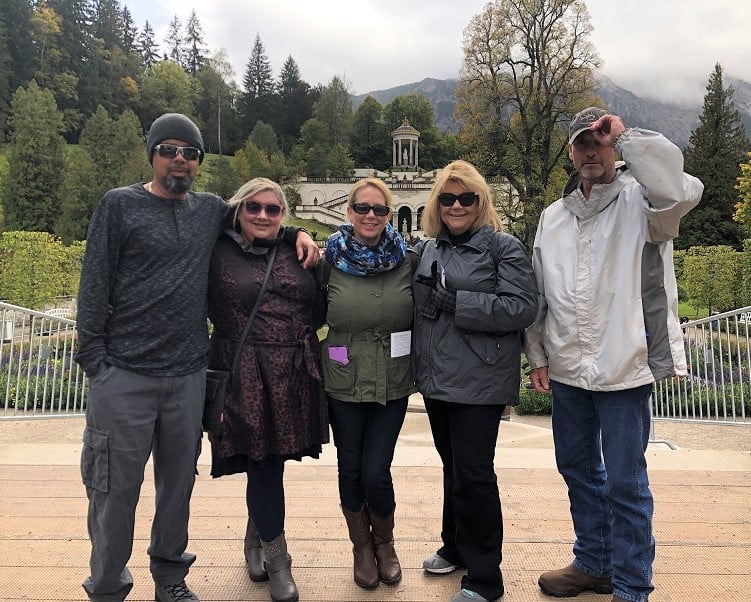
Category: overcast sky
<point>663,49</point>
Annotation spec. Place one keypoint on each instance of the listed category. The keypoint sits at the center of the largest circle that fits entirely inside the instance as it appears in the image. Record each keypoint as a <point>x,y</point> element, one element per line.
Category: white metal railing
<point>38,376</point>
<point>718,386</point>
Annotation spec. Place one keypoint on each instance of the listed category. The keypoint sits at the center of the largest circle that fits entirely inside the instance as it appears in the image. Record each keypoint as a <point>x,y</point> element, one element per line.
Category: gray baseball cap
<point>583,120</point>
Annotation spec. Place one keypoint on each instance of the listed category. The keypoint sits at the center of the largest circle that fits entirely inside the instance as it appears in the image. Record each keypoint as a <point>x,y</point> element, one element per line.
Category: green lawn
<point>693,313</point>
<point>311,226</point>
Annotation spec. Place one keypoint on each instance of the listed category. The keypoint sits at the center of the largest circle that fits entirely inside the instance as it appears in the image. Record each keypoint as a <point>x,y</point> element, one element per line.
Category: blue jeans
<point>600,439</point>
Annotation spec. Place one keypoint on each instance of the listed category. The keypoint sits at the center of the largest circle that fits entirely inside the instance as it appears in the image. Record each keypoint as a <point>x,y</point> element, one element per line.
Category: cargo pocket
<point>338,377</point>
<point>95,469</point>
<point>400,373</point>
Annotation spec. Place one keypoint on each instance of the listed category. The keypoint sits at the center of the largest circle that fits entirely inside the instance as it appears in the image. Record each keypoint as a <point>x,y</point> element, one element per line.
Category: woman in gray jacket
<point>474,296</point>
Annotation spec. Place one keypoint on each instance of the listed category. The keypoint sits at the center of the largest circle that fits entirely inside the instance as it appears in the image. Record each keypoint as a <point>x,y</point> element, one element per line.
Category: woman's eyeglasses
<point>169,151</point>
<point>466,199</point>
<point>364,209</point>
<point>254,208</point>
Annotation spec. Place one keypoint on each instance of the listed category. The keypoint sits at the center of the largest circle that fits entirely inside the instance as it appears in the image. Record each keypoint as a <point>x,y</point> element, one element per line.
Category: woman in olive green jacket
<point>368,371</point>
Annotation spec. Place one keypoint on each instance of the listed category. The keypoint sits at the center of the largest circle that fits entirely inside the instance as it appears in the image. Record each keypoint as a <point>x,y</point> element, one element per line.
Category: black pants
<point>472,532</point>
<point>365,436</point>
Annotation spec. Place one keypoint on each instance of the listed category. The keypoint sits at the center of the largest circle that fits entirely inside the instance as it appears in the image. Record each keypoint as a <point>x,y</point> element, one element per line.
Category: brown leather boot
<point>389,569</point>
<point>365,569</point>
<point>570,581</point>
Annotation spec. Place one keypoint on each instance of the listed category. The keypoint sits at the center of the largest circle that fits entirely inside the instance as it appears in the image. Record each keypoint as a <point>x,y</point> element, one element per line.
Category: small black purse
<point>219,382</point>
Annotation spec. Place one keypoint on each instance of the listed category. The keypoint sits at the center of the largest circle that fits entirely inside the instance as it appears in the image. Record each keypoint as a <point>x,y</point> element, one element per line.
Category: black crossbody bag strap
<point>246,330</point>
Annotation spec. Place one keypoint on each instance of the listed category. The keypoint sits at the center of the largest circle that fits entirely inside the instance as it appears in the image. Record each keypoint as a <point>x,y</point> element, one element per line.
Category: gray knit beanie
<point>176,126</point>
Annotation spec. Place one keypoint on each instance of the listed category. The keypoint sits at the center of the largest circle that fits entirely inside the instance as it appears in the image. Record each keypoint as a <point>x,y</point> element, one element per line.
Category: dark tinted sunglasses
<point>466,199</point>
<point>364,209</point>
<point>169,151</point>
<point>254,208</point>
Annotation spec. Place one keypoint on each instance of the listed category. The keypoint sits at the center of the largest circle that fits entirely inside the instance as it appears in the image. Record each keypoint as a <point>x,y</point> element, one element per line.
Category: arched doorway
<point>404,220</point>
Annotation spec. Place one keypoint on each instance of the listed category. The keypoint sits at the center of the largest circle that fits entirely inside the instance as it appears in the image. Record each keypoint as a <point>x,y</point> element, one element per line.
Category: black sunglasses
<point>169,151</point>
<point>254,208</point>
<point>466,199</point>
<point>364,209</point>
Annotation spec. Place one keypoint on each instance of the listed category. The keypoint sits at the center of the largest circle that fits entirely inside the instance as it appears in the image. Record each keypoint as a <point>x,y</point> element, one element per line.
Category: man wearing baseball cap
<point>606,329</point>
<point>143,342</point>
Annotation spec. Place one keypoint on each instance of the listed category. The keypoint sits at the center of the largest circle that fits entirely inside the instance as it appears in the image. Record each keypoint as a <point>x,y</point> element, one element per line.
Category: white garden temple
<point>325,199</point>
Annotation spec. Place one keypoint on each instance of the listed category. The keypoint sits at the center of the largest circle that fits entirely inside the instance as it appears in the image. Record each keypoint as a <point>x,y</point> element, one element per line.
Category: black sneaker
<point>174,593</point>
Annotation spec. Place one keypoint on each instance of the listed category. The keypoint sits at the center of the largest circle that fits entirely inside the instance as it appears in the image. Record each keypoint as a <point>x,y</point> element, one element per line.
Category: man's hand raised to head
<point>607,129</point>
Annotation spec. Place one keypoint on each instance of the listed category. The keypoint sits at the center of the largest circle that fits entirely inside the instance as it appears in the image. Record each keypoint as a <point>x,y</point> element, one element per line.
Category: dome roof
<point>405,128</point>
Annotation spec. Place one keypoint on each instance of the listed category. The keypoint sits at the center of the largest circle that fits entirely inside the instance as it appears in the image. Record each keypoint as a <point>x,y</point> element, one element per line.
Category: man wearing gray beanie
<point>143,342</point>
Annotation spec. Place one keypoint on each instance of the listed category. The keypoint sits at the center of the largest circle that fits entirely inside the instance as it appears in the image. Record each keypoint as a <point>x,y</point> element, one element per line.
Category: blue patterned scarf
<point>346,253</point>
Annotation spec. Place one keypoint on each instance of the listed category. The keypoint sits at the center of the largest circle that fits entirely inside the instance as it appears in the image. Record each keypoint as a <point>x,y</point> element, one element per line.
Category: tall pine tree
<point>35,161</point>
<point>295,104</point>
<point>147,46</point>
<point>717,148</point>
<point>195,44</point>
<point>257,103</point>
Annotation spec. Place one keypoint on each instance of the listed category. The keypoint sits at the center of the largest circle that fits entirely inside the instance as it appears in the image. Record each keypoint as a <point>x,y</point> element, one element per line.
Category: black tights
<point>264,495</point>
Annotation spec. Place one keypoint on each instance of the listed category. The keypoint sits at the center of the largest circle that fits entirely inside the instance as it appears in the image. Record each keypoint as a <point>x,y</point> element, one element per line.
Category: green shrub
<point>532,402</point>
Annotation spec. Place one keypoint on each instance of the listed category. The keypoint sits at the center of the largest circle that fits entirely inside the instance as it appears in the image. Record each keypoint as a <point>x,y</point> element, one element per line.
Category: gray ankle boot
<point>254,553</point>
<point>279,567</point>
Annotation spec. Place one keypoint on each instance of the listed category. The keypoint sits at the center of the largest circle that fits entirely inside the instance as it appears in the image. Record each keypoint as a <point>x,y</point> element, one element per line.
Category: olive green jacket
<point>363,312</point>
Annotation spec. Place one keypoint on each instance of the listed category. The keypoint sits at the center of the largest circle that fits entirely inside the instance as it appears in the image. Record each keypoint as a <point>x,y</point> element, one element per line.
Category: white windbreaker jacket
<point>607,313</point>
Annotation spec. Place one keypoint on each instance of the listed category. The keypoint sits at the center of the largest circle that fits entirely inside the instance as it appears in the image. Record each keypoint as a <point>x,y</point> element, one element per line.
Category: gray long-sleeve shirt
<point>142,298</point>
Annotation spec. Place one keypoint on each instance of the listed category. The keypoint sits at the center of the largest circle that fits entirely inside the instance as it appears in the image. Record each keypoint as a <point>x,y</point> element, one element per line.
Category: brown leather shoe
<point>570,581</point>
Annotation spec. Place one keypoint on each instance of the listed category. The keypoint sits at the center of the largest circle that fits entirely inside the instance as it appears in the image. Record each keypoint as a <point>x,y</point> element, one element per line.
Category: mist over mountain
<point>674,120</point>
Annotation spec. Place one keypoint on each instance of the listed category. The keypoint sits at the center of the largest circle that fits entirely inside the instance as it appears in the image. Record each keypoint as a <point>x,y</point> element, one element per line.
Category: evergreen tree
<point>264,137</point>
<point>334,110</point>
<point>107,23</point>
<point>295,104</point>
<point>174,41</point>
<point>222,180</point>
<point>196,47</point>
<point>369,140</point>
<point>130,31</point>
<point>339,163</point>
<point>76,80</point>
<point>147,46</point>
<point>257,101</point>
<point>6,76</point>
<point>78,194</point>
<point>35,161</point>
<point>16,19</point>
<point>110,154</point>
<point>717,148</point>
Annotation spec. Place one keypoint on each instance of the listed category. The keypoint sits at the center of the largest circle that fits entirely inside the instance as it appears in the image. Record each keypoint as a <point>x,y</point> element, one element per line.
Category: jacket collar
<point>480,240</point>
<point>600,197</point>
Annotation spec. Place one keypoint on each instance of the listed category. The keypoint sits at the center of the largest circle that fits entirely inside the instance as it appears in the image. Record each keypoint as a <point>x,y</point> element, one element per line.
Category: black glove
<point>431,280</point>
<point>443,299</point>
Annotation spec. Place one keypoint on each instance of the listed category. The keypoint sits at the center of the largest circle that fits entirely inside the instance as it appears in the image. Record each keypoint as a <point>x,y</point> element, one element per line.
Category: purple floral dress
<point>277,405</point>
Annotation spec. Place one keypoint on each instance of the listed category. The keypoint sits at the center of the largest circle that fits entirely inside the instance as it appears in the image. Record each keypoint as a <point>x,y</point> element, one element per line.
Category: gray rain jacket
<point>607,317</point>
<point>473,357</point>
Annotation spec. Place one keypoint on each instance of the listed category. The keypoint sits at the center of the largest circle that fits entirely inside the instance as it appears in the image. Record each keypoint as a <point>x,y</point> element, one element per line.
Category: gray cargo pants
<point>129,416</point>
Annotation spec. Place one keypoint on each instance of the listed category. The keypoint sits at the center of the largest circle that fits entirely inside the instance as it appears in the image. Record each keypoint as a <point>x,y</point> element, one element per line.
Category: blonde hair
<point>466,175</point>
<point>252,188</point>
<point>375,183</point>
